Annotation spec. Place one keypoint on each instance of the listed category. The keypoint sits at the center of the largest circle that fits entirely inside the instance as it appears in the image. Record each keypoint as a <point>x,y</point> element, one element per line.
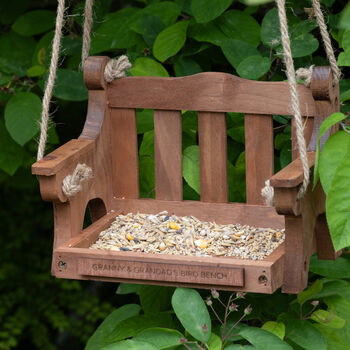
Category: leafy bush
<point>161,38</point>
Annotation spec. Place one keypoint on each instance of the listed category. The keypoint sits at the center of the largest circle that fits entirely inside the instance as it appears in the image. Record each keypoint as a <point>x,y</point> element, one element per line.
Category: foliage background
<point>161,38</point>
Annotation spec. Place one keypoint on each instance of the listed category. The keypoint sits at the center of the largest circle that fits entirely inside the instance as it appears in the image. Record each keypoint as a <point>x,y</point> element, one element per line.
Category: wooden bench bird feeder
<point>108,145</point>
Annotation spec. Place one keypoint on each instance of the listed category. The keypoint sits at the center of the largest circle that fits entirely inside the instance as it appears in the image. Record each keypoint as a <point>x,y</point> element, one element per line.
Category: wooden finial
<point>94,68</point>
<point>322,83</point>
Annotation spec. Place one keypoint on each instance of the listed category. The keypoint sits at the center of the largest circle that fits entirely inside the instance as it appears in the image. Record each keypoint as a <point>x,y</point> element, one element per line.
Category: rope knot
<point>116,68</point>
<point>71,184</point>
<point>305,74</point>
<point>268,193</point>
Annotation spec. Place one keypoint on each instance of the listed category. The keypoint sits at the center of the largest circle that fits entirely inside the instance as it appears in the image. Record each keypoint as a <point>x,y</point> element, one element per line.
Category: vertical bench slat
<point>125,153</point>
<point>259,155</point>
<point>168,154</point>
<point>213,156</point>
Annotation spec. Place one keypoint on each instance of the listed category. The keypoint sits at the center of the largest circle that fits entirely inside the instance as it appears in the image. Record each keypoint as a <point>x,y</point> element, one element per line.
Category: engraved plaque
<point>152,271</point>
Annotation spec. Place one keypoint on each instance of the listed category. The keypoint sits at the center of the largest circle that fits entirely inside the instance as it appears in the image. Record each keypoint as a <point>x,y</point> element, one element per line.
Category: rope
<point>51,79</point>
<point>290,71</point>
<point>306,75</point>
<point>71,184</point>
<point>326,41</point>
<point>268,193</point>
<point>116,68</point>
<point>87,30</point>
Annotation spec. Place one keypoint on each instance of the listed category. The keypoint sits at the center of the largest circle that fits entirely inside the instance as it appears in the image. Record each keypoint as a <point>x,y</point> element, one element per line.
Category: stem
<point>217,316</point>
<point>225,337</point>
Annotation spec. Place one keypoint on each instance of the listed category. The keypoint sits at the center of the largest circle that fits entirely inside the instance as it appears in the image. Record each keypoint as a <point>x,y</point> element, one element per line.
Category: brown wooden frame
<point>108,144</point>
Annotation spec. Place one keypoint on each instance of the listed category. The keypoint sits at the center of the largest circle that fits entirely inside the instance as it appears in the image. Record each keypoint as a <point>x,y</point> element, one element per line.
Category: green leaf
<point>128,288</point>
<point>147,176</point>
<point>302,333</point>
<point>36,71</point>
<point>270,29</point>
<point>42,51</point>
<point>341,307</point>
<point>186,66</point>
<point>208,32</point>
<point>151,26</point>
<point>206,10</point>
<point>239,347</point>
<point>170,41</point>
<point>338,203</point>
<point>344,22</point>
<point>260,338</point>
<point>22,115</point>
<point>144,120</point>
<point>339,268</point>
<point>236,51</point>
<point>134,325</point>
<point>253,67</point>
<point>162,338</point>
<point>276,328</point>
<point>331,158</point>
<point>166,12</point>
<point>192,312</point>
<point>70,85</point>
<point>15,53</point>
<point>11,155</point>
<point>147,144</point>
<point>100,338</point>
<point>214,342</point>
<point>240,26</point>
<point>34,22</point>
<point>344,59</point>
<point>308,293</point>
<point>303,45</point>
<point>190,166</point>
<point>328,319</point>
<point>115,32</point>
<point>326,124</point>
<point>335,340</point>
<point>130,344</point>
<point>151,305</point>
<point>145,66</point>
<point>303,27</point>
<point>256,2</point>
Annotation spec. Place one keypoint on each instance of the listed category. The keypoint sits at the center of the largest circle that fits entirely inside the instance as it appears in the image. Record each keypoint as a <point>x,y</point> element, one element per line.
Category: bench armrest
<point>52,169</point>
<point>292,175</point>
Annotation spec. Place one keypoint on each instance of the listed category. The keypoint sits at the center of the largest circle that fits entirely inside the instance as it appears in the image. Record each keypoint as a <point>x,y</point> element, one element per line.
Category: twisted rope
<point>290,71</point>
<point>305,74</point>
<point>51,79</point>
<point>71,184</point>
<point>87,30</point>
<point>114,69</point>
<point>326,41</point>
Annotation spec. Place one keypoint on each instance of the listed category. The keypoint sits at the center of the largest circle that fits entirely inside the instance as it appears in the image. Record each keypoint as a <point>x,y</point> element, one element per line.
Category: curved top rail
<point>208,91</point>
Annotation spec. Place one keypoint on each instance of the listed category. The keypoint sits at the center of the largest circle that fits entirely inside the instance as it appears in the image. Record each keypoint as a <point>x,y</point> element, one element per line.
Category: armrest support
<point>53,168</point>
<point>292,175</point>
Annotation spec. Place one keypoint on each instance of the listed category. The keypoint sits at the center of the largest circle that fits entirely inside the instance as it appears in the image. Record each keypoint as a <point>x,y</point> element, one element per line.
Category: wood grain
<point>209,91</point>
<point>125,153</point>
<point>259,155</point>
<point>168,154</point>
<point>292,175</point>
<point>213,157</point>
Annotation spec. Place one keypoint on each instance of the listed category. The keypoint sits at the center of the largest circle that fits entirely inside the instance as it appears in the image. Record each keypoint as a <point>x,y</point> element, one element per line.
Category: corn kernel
<point>129,237</point>
<point>173,226</point>
<point>201,243</point>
